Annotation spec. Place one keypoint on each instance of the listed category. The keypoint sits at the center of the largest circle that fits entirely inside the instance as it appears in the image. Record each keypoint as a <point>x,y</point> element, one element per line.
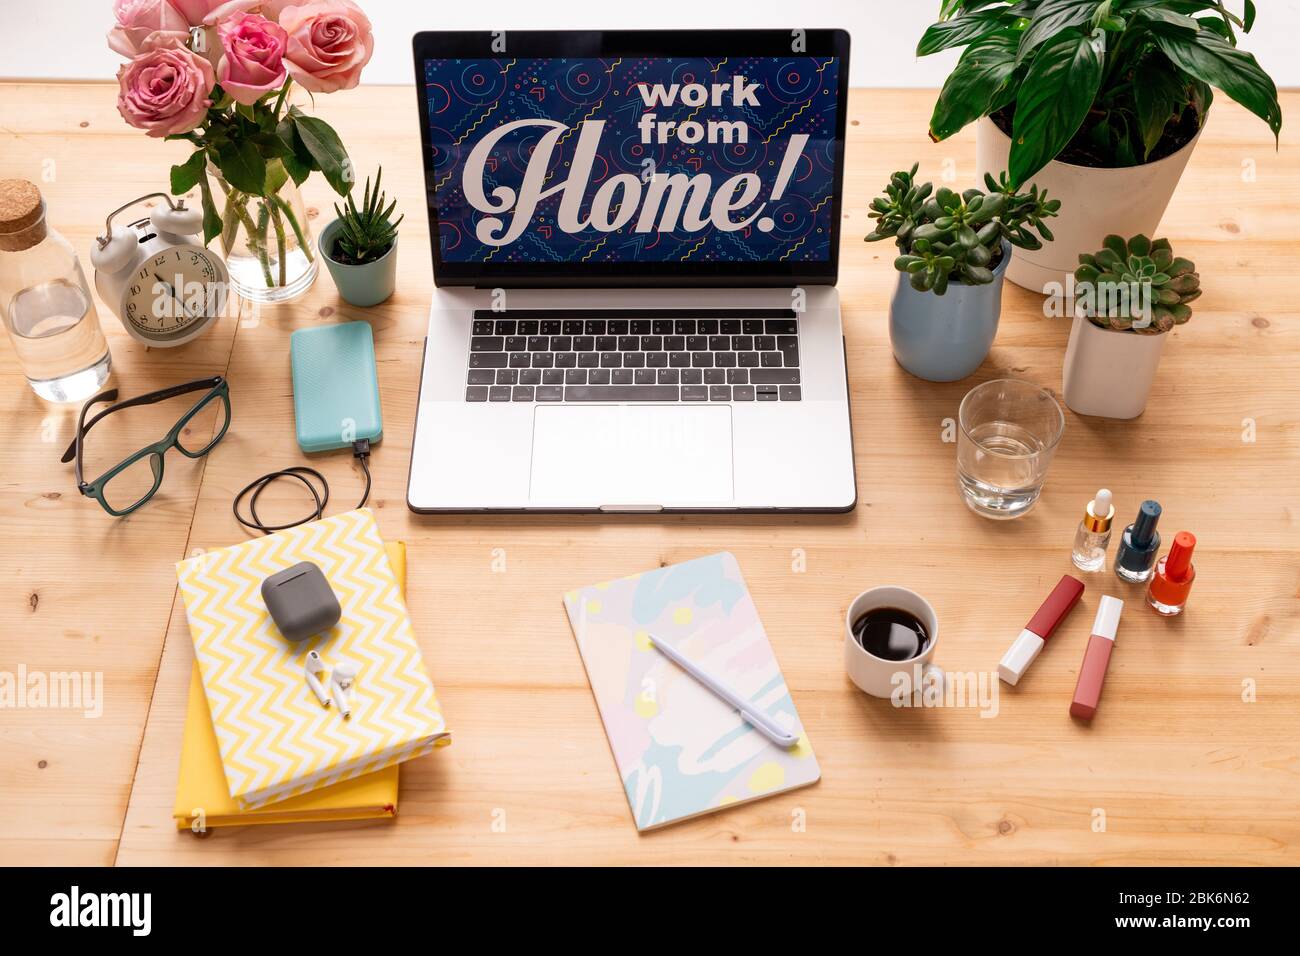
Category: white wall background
<point>64,39</point>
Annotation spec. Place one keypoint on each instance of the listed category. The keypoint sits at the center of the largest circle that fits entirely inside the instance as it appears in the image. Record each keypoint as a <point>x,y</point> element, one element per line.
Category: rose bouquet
<point>217,73</point>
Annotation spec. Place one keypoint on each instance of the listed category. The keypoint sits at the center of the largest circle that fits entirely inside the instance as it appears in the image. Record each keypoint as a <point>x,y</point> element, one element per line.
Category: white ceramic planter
<point>1109,373</point>
<point>1095,203</point>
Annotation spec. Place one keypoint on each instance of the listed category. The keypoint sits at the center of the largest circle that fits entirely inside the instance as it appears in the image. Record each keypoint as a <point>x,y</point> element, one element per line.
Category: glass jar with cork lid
<point>45,302</point>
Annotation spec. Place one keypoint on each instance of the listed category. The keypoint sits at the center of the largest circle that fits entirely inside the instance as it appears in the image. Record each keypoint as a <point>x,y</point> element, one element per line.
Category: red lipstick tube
<point>1034,637</point>
<point>1092,672</point>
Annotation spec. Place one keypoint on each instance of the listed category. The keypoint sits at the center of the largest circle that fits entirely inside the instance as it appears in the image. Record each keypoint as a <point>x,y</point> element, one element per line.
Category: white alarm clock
<point>164,285</point>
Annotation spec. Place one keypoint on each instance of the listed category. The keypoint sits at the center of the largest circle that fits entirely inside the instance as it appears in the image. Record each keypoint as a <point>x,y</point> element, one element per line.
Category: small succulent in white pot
<point>361,247</point>
<point>1128,296</point>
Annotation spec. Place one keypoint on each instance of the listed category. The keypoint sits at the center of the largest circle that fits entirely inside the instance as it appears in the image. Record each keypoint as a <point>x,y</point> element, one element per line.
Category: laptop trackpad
<point>631,456</point>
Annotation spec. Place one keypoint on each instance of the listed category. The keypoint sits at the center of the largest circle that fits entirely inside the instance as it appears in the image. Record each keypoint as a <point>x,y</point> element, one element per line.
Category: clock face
<point>175,290</point>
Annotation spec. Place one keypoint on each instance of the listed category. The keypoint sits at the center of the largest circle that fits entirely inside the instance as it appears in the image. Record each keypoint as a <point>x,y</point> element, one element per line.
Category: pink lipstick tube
<point>1034,637</point>
<point>1092,672</point>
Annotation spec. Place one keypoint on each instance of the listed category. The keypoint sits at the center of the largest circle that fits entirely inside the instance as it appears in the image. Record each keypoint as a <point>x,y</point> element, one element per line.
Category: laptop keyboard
<point>568,358</point>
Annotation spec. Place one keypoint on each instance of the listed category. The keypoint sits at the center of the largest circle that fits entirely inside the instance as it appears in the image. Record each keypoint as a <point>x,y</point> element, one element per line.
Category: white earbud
<point>314,669</point>
<point>340,682</point>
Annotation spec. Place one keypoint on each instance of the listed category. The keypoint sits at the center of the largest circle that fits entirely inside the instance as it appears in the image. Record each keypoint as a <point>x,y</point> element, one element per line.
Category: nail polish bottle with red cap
<point>1172,581</point>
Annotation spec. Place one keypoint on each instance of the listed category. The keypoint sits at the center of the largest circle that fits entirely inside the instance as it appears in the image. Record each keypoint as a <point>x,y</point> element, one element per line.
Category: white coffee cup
<point>875,675</point>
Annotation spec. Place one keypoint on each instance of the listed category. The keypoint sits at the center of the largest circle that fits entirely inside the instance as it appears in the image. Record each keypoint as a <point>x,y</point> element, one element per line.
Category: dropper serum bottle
<point>1093,536</point>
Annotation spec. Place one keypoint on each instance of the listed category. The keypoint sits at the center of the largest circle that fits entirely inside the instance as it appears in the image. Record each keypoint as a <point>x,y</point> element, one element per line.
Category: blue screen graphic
<point>633,159</point>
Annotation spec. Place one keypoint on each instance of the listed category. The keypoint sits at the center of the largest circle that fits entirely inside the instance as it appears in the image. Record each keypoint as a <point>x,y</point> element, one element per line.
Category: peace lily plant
<point>1098,101</point>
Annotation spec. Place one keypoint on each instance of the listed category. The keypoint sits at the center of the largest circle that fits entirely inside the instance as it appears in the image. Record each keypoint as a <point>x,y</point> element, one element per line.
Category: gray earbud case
<point>301,601</point>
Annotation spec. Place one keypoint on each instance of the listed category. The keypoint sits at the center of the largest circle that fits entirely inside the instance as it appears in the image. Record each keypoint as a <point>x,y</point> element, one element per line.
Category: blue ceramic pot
<point>363,285</point>
<point>942,338</point>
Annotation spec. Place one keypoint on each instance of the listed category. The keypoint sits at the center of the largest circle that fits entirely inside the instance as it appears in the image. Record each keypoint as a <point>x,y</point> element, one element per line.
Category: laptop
<point>635,242</point>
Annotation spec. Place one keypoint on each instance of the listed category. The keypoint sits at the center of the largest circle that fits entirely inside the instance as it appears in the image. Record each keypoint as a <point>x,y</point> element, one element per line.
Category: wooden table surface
<point>1193,758</point>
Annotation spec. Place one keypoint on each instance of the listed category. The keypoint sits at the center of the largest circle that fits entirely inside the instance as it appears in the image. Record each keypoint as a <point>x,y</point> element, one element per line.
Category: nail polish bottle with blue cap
<point>1135,561</point>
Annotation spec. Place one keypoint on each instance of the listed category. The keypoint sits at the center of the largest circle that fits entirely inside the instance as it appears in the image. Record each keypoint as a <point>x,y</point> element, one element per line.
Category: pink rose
<point>144,24</point>
<point>207,12</point>
<point>252,57</point>
<point>329,43</point>
<point>165,90</point>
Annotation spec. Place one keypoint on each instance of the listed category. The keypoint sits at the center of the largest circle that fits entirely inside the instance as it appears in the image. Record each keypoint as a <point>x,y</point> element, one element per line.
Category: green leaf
<point>297,161</point>
<point>271,144</point>
<point>187,175</point>
<point>326,149</point>
<point>962,29</point>
<point>1159,98</point>
<point>1169,19</point>
<point>1051,17</point>
<point>1218,26</point>
<point>276,176</point>
<point>1054,100</point>
<point>295,168</point>
<point>211,218</point>
<point>287,132</point>
<point>243,167</point>
<point>973,84</point>
<point>1214,61</point>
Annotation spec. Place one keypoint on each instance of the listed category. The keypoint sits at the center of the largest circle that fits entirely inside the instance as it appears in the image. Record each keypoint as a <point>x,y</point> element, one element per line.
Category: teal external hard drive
<point>335,388</point>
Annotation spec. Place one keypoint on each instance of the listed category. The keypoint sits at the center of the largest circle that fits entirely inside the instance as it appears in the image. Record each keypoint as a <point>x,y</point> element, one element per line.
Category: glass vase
<point>266,240</point>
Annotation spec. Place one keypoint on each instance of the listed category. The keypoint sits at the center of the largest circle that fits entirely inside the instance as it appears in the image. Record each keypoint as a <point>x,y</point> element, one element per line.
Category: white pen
<point>760,721</point>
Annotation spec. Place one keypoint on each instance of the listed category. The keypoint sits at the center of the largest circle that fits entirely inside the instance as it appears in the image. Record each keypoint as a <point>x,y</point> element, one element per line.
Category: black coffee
<point>891,633</point>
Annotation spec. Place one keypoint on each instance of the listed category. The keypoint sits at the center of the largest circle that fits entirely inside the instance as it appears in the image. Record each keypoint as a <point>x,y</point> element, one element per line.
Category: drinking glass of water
<point>1007,433</point>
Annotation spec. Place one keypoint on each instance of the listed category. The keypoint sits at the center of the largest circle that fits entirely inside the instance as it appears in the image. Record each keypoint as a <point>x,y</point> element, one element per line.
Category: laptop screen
<point>605,165</point>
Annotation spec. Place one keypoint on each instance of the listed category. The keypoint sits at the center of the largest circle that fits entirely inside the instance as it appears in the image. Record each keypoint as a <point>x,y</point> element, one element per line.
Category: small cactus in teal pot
<point>1136,286</point>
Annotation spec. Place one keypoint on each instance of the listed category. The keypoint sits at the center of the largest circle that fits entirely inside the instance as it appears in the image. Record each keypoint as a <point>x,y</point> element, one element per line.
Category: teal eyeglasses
<point>134,480</point>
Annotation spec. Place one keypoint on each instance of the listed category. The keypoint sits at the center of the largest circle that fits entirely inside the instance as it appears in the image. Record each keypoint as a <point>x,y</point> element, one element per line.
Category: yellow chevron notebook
<point>275,738</point>
<point>202,796</point>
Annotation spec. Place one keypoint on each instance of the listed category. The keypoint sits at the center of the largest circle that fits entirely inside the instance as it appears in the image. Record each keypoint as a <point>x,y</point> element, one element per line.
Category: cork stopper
<point>22,215</point>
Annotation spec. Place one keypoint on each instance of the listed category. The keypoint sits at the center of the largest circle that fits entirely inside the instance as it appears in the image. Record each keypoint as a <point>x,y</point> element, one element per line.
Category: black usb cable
<point>321,496</point>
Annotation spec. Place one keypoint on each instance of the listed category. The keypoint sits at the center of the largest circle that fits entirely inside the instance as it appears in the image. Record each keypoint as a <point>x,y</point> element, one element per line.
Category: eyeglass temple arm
<point>149,398</point>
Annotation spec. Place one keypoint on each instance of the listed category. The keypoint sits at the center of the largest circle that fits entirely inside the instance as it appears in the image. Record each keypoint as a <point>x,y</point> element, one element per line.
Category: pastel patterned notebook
<point>275,738</point>
<point>680,750</point>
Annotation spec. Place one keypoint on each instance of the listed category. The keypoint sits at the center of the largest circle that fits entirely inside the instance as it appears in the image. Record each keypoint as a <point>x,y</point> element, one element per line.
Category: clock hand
<point>165,284</point>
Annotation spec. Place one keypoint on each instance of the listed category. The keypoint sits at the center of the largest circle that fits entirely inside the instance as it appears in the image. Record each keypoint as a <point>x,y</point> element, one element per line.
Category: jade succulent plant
<point>945,236</point>
<point>1136,286</point>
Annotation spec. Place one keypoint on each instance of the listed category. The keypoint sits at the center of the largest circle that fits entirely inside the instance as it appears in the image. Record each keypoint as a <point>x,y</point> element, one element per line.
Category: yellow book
<point>203,800</point>
<point>276,740</point>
